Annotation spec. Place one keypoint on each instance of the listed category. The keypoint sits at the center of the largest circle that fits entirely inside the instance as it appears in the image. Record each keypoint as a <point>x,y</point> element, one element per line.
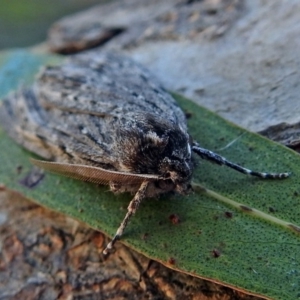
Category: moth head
<point>153,145</point>
<point>177,165</point>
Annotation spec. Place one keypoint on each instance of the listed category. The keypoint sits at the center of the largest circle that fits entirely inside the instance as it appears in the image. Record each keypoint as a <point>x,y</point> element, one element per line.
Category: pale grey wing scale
<point>55,134</point>
<point>99,83</point>
<point>25,122</point>
<point>93,174</point>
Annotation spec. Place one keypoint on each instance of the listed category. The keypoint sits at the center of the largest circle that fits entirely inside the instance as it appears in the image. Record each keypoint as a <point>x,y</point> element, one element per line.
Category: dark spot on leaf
<point>171,261</point>
<point>246,208</point>
<point>145,236</point>
<point>272,209</point>
<point>175,219</point>
<point>228,214</point>
<point>33,178</point>
<point>19,169</point>
<point>216,253</point>
<point>2,187</point>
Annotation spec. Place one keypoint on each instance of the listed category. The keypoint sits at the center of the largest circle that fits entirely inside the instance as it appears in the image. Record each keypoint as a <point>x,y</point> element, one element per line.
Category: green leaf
<point>251,250</point>
<point>19,68</point>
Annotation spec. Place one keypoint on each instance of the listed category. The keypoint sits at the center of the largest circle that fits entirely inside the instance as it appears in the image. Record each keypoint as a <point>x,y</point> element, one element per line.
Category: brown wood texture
<point>46,255</point>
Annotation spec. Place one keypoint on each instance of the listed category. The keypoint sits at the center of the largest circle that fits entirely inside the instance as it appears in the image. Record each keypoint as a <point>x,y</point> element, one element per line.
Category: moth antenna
<point>132,208</point>
<point>216,158</point>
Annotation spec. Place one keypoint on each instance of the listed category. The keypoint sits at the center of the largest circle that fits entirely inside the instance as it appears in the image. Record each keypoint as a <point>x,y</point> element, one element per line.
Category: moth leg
<point>214,157</point>
<point>132,208</point>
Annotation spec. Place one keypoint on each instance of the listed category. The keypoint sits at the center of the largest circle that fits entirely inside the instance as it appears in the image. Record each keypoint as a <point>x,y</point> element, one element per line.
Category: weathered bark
<point>46,255</point>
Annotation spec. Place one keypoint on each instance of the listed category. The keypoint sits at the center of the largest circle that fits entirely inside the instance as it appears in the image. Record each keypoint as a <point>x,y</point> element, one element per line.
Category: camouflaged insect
<point>102,118</point>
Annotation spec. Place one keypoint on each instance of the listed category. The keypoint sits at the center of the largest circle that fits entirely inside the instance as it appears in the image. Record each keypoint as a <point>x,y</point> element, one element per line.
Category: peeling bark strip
<point>100,117</point>
<point>286,134</point>
<point>128,23</point>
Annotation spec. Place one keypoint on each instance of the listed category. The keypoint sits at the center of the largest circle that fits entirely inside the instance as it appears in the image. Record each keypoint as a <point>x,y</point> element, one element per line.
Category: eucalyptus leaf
<point>219,236</point>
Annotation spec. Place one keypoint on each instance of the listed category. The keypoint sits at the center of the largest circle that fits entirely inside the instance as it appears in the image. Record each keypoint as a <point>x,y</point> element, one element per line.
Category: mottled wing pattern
<point>24,120</point>
<point>73,111</point>
<point>106,83</point>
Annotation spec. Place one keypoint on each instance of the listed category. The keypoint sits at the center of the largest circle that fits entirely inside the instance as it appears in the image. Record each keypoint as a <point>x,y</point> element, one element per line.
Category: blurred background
<point>25,23</point>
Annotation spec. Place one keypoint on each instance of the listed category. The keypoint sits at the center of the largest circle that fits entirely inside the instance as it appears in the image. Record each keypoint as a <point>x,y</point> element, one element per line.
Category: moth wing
<point>104,84</point>
<point>93,174</point>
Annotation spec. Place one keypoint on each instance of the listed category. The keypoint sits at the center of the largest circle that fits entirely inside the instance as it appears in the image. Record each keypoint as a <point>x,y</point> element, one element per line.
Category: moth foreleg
<point>132,208</point>
<point>214,157</point>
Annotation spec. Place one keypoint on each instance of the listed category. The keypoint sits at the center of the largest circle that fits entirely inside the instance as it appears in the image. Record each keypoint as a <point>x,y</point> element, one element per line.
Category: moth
<point>101,117</point>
